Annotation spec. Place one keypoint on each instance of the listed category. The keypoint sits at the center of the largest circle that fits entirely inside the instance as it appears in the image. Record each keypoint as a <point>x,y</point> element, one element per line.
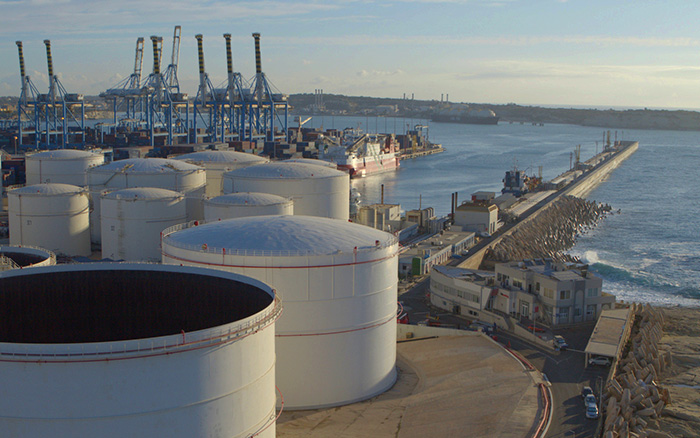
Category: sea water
<point>648,252</point>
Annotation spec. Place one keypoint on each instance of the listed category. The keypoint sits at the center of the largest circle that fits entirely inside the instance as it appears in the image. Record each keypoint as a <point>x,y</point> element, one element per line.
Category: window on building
<point>537,286</point>
<point>518,283</point>
<point>592,291</point>
<point>548,293</point>
<point>565,295</point>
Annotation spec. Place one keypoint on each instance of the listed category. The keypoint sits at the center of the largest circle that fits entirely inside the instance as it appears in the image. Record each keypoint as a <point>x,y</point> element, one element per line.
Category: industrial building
<point>461,291</point>
<point>419,257</point>
<point>555,294</point>
<point>387,217</point>
<point>477,216</point>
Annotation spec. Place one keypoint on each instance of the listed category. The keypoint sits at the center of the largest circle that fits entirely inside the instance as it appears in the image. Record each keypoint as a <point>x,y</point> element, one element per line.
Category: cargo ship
<point>464,114</point>
<point>361,154</point>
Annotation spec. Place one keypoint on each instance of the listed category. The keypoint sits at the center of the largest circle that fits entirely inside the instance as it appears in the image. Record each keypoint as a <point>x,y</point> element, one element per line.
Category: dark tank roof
<point>47,306</point>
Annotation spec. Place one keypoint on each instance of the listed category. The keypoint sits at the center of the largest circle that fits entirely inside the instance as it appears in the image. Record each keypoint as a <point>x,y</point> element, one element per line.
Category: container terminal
<point>151,116</point>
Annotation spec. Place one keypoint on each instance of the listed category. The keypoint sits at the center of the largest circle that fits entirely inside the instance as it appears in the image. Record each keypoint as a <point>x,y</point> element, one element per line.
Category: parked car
<point>589,400</point>
<point>600,360</point>
<point>560,343</point>
<point>592,412</point>
<point>586,390</point>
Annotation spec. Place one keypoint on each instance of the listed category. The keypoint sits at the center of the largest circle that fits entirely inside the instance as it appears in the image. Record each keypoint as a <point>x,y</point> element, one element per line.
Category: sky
<point>590,53</point>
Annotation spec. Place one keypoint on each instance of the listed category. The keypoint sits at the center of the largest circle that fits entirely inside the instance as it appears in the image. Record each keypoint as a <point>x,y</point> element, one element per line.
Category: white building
<point>477,216</point>
<point>420,257</point>
<point>461,291</point>
<point>554,293</point>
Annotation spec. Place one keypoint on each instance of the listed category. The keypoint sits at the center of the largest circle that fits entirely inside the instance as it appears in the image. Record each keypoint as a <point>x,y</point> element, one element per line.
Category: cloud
<point>378,73</point>
<point>529,70</point>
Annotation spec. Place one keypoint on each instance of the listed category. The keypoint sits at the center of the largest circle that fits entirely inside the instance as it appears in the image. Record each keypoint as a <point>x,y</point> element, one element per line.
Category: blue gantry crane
<point>154,103</point>
<point>27,116</point>
<point>168,108</point>
<point>267,108</point>
<point>207,106</point>
<point>57,122</point>
<point>128,98</point>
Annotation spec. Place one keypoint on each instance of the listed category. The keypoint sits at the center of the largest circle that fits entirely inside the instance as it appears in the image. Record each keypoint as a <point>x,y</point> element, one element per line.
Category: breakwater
<point>633,399</point>
<point>606,162</point>
<point>553,232</point>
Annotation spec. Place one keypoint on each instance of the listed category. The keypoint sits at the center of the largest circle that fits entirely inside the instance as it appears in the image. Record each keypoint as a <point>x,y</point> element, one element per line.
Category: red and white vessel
<point>362,154</point>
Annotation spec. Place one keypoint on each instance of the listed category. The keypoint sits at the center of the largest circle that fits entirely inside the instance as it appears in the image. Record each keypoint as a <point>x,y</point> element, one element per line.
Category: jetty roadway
<point>580,187</point>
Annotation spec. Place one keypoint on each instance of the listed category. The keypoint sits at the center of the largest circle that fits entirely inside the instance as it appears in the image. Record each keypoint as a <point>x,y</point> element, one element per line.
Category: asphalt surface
<point>565,370</point>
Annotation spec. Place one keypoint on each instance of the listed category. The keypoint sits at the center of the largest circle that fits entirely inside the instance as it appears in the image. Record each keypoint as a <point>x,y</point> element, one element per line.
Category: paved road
<point>565,370</point>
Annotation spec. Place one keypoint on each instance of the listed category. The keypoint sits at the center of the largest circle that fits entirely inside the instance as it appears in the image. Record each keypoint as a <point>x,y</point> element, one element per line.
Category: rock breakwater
<point>549,234</point>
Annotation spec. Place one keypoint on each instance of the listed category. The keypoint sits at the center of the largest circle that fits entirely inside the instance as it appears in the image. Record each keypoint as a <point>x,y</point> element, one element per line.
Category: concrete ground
<point>456,386</point>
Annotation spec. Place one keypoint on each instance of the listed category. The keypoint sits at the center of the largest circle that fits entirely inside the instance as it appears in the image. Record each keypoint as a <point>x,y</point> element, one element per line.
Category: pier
<point>421,153</point>
<point>605,163</point>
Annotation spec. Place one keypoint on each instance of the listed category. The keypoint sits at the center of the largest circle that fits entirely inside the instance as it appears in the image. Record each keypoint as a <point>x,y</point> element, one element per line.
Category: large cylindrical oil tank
<point>132,220</point>
<point>64,166</point>
<point>175,175</point>
<point>218,162</point>
<point>315,190</point>
<point>27,256</point>
<point>140,350</point>
<point>236,205</point>
<point>336,341</point>
<point>51,216</point>
<point>313,161</point>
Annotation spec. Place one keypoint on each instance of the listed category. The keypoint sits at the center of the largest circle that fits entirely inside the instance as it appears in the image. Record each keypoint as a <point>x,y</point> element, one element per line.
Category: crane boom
<point>258,68</point>
<point>138,64</point>
<point>49,62</point>
<point>157,47</point>
<point>175,58</point>
<point>202,73</point>
<point>22,71</point>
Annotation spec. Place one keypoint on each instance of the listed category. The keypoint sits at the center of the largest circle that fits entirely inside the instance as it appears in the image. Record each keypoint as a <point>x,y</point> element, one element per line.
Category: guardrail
<point>207,248</point>
<point>129,349</point>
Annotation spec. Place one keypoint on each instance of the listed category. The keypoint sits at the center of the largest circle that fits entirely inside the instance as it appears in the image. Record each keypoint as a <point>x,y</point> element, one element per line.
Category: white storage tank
<point>315,190</point>
<point>313,161</point>
<point>51,216</point>
<point>65,166</point>
<point>132,220</point>
<point>218,162</point>
<point>336,341</point>
<point>27,256</point>
<point>175,175</point>
<point>136,350</point>
<point>246,204</point>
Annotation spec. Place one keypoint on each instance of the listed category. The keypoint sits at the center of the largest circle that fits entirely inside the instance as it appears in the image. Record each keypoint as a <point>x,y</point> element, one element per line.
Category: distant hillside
<point>423,109</point>
<point>613,119</point>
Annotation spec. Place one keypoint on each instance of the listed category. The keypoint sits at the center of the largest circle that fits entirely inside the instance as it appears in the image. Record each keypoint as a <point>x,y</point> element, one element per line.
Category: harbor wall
<point>583,185</point>
<point>592,179</point>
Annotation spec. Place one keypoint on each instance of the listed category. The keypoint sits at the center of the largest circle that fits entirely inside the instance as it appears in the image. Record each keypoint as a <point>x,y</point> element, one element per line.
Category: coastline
<point>681,335</point>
